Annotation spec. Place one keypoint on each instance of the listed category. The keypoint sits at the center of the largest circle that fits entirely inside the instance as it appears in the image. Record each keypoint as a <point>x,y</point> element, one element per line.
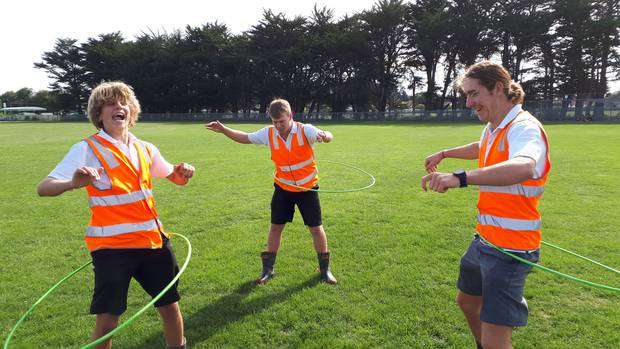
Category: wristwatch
<point>462,176</point>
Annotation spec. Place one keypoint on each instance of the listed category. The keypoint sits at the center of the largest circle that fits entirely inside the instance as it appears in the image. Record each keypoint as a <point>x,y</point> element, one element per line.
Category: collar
<point>293,129</point>
<point>130,138</point>
<point>512,114</point>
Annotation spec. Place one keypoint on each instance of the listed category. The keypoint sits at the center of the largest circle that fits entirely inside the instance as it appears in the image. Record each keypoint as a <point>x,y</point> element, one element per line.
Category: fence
<point>600,110</point>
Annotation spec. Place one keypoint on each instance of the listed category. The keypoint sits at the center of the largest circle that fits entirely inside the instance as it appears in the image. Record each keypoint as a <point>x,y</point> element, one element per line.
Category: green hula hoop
<point>555,272</point>
<point>121,326</point>
<point>372,181</point>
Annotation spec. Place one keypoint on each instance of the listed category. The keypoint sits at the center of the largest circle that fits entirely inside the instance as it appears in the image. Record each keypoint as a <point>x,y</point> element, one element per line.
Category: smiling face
<point>485,102</point>
<point>112,106</point>
<point>115,116</point>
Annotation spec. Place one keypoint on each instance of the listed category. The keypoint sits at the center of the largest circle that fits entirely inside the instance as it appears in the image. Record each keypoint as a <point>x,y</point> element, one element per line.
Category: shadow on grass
<point>205,322</point>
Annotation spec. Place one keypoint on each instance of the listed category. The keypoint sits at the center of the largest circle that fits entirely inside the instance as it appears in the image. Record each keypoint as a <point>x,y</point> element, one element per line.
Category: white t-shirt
<point>524,137</point>
<point>262,136</point>
<point>81,155</point>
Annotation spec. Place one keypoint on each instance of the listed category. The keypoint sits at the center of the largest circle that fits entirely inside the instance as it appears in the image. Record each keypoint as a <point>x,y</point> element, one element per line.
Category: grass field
<point>395,249</point>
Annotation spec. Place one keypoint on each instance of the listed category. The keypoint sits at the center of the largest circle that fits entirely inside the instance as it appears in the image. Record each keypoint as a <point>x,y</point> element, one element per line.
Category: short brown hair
<point>489,74</point>
<point>277,107</point>
<point>109,92</point>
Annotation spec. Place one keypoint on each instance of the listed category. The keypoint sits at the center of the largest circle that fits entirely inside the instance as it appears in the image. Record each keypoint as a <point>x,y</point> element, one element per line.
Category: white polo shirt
<point>262,136</point>
<point>81,155</point>
<point>524,137</point>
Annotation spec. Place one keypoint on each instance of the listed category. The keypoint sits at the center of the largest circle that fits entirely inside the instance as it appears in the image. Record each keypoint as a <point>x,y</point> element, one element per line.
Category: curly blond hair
<point>110,92</point>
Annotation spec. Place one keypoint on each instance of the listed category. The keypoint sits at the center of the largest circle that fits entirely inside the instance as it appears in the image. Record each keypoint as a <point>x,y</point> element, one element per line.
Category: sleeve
<point>160,168</point>
<point>311,132</point>
<point>525,139</point>
<point>260,137</point>
<point>74,159</point>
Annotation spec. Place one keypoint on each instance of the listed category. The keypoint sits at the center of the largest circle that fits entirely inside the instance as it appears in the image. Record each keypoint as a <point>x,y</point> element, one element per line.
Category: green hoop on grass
<point>121,326</point>
<point>560,274</point>
<point>372,181</point>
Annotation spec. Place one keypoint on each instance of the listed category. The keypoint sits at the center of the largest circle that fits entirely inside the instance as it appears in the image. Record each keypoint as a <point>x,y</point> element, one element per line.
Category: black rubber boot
<point>269,259</point>
<point>326,274</point>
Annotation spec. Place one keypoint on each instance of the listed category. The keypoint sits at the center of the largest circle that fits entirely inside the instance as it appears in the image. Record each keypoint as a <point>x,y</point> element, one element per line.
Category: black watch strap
<point>462,176</point>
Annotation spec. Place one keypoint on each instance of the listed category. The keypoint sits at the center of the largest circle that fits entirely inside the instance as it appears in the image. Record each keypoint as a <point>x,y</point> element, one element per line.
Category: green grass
<point>395,249</point>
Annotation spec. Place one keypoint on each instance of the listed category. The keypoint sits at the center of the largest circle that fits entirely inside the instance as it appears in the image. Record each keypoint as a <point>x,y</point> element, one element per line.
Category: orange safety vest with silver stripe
<point>508,216</point>
<point>123,216</point>
<point>295,166</point>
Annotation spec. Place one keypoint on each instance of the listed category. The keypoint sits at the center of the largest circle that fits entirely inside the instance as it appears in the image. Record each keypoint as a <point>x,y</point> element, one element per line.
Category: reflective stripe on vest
<point>289,168</point>
<point>509,223</point>
<point>508,216</point>
<point>516,189</point>
<point>300,182</point>
<point>112,200</point>
<point>111,230</point>
<point>124,215</point>
<point>294,165</point>
<point>105,152</point>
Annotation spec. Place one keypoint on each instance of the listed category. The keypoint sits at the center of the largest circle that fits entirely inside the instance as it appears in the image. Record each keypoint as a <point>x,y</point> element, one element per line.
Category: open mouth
<point>119,117</point>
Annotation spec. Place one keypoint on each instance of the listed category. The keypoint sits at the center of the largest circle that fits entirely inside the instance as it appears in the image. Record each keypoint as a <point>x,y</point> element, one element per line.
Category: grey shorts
<point>499,279</point>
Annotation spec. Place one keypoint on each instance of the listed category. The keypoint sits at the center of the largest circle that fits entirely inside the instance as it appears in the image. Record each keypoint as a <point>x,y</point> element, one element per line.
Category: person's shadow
<point>203,323</point>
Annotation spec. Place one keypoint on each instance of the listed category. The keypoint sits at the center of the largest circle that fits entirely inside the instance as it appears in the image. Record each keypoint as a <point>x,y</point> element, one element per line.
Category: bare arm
<point>467,152</point>
<point>509,172</point>
<point>235,135</point>
<point>82,177</point>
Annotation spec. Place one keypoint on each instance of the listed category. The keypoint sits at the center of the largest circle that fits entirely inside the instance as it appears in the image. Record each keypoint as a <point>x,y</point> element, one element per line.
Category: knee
<point>467,304</point>
<point>106,323</point>
<point>170,310</point>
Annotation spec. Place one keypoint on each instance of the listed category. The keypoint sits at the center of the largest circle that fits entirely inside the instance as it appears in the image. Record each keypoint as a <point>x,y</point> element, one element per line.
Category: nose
<point>469,103</point>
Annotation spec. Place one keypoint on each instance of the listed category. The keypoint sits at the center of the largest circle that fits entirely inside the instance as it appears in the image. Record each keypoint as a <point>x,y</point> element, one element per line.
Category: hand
<point>440,182</point>
<point>431,161</point>
<point>183,170</point>
<point>323,137</point>
<point>84,176</point>
<point>215,126</point>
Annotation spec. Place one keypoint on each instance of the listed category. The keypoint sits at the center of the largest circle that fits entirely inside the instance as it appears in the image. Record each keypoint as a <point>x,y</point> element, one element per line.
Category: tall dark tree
<point>65,65</point>
<point>427,23</point>
<point>384,26</point>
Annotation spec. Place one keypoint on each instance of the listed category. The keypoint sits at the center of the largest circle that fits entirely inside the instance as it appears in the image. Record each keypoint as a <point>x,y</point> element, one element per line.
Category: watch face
<point>459,172</point>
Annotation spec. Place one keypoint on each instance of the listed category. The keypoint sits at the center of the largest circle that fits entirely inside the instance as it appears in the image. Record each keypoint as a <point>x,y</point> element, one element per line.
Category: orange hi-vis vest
<point>124,215</point>
<point>508,216</point>
<point>295,166</point>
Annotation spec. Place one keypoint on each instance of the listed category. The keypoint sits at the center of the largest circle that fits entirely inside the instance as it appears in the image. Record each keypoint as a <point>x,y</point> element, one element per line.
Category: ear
<point>499,88</point>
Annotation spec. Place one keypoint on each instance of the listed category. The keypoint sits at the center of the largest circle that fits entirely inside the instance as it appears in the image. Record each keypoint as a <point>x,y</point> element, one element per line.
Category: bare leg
<point>173,324</point>
<point>274,237</point>
<point>496,336</point>
<point>104,324</point>
<point>471,305</point>
<point>319,239</point>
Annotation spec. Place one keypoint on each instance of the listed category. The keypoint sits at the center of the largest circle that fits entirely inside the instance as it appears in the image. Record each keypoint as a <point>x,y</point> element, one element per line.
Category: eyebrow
<point>469,92</point>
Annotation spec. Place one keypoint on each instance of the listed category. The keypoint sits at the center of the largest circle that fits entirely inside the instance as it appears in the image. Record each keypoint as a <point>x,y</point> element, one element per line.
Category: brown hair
<point>110,92</point>
<point>489,74</point>
<point>278,107</point>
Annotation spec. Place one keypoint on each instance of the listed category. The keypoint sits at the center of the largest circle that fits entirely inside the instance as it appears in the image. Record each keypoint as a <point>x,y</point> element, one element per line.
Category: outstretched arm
<point>235,135</point>
<point>467,152</point>
<point>82,177</point>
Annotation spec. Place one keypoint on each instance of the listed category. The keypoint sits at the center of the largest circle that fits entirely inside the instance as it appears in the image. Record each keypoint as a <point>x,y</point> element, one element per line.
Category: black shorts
<point>114,268</point>
<point>283,206</point>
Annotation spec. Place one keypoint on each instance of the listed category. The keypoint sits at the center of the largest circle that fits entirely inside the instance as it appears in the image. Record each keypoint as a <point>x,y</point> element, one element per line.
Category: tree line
<point>359,62</point>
